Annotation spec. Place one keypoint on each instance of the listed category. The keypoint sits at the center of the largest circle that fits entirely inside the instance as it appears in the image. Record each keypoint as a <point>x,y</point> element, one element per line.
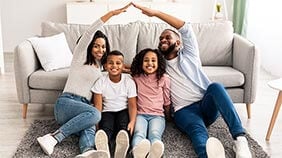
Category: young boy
<point>115,96</point>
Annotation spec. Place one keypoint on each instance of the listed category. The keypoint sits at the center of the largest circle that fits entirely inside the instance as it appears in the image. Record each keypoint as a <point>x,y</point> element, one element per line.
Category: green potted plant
<point>218,14</point>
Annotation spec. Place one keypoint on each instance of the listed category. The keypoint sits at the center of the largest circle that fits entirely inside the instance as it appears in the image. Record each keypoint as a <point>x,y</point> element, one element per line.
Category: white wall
<point>1,49</point>
<point>21,19</point>
<point>264,29</point>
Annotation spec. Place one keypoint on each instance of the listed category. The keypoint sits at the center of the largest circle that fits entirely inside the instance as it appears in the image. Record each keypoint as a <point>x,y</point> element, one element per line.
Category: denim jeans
<point>155,126</point>
<point>194,119</point>
<point>113,122</point>
<point>77,116</point>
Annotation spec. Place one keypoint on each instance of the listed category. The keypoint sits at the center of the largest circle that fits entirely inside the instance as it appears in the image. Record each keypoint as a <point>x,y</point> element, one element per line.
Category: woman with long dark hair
<point>73,109</point>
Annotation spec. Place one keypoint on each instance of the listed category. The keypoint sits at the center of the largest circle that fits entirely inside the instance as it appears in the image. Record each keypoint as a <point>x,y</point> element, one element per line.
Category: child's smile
<point>150,63</point>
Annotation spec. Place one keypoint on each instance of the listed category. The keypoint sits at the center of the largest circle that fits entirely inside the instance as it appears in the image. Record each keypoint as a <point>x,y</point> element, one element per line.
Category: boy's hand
<point>130,127</point>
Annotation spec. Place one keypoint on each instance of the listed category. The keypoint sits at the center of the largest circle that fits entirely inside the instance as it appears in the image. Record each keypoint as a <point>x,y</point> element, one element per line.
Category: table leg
<point>274,115</point>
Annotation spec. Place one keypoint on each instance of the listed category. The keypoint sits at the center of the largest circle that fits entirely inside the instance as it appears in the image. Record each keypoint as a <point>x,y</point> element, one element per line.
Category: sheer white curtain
<point>264,28</point>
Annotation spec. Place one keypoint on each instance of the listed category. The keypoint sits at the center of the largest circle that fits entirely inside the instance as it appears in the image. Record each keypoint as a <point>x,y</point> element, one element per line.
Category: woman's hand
<point>107,16</point>
<point>121,10</point>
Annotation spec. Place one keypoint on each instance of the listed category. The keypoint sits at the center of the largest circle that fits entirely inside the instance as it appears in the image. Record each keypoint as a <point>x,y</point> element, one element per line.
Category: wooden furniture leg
<point>24,110</point>
<point>248,106</point>
<point>274,115</point>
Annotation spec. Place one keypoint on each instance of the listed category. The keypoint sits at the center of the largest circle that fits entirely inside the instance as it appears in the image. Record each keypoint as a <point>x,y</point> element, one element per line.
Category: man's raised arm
<point>171,20</point>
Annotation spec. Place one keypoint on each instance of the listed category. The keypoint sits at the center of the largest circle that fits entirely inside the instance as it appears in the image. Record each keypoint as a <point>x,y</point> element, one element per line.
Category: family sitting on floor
<point>108,111</point>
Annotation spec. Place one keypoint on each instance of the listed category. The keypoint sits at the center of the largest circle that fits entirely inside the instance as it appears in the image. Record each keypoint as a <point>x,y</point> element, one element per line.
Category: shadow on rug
<point>176,143</point>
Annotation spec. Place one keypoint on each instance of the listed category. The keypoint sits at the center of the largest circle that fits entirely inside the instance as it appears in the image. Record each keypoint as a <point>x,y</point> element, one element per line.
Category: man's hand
<point>171,20</point>
<point>147,11</point>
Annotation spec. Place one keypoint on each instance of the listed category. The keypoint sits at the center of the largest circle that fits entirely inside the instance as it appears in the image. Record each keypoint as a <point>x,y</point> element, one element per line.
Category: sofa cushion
<point>226,75</point>
<point>54,80</point>
<point>215,42</point>
<point>149,34</point>
<point>123,37</point>
<point>214,39</point>
<point>72,31</point>
<point>53,52</point>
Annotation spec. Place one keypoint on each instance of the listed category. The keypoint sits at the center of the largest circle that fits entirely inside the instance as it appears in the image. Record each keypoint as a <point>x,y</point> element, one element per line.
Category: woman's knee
<point>60,116</point>
<point>95,115</point>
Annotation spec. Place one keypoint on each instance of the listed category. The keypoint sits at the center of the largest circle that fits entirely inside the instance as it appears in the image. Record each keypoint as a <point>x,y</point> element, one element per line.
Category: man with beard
<point>196,101</point>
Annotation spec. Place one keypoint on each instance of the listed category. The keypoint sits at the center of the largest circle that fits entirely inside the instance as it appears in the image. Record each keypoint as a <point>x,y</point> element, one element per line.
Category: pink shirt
<point>151,95</point>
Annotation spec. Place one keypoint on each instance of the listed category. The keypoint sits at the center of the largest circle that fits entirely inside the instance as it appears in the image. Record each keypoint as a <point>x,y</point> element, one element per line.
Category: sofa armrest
<point>25,63</point>
<point>246,60</point>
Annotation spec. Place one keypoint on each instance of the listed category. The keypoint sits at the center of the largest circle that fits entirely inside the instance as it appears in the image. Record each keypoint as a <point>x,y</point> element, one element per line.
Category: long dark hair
<point>137,63</point>
<point>90,58</point>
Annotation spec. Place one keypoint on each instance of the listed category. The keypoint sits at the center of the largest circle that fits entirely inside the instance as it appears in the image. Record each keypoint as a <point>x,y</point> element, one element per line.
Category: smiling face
<point>169,43</point>
<point>114,65</point>
<point>150,62</point>
<point>99,48</point>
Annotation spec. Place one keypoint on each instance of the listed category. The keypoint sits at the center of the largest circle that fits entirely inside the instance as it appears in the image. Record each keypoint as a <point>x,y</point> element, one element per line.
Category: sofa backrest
<point>214,38</point>
<point>123,38</point>
<point>215,42</point>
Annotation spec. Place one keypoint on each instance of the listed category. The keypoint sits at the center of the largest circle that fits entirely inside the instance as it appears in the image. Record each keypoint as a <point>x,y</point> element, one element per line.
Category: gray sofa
<point>226,58</point>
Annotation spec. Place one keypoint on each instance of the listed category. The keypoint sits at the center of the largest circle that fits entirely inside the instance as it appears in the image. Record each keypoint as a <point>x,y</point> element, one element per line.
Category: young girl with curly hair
<point>153,93</point>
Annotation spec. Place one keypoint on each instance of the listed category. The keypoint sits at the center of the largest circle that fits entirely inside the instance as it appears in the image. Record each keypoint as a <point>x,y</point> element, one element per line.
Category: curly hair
<point>90,59</point>
<point>137,63</point>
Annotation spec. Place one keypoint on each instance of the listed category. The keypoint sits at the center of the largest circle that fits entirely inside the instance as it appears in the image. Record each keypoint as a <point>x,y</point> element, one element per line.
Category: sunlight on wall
<point>265,30</point>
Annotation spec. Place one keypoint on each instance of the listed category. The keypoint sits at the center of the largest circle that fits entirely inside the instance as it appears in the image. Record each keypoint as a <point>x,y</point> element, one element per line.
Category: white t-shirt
<point>183,91</point>
<point>115,95</point>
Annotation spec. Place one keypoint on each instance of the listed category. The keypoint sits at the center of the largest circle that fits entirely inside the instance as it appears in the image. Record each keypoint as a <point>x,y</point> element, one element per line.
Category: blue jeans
<point>155,126</point>
<point>77,116</point>
<point>194,119</point>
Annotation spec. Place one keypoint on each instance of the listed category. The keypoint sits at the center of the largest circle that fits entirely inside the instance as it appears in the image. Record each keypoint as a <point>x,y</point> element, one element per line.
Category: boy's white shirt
<point>115,95</point>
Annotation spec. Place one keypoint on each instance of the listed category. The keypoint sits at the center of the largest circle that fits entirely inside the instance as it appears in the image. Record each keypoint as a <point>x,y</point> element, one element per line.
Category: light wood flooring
<point>13,127</point>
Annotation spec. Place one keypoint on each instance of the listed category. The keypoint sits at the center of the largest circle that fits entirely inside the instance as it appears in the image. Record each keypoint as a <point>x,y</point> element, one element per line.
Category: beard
<point>168,50</point>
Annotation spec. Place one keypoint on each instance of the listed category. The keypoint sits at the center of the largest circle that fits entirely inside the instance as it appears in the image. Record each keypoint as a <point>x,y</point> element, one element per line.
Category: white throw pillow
<point>53,51</point>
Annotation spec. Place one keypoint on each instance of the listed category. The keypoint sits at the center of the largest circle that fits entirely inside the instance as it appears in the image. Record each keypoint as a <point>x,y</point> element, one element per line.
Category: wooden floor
<point>13,127</point>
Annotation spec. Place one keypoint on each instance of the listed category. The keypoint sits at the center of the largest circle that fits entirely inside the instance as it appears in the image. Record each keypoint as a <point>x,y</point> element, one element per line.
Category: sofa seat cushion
<point>226,75</point>
<point>53,80</point>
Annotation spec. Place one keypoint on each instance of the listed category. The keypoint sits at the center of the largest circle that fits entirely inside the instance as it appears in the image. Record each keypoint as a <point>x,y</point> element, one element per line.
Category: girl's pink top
<point>152,95</point>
